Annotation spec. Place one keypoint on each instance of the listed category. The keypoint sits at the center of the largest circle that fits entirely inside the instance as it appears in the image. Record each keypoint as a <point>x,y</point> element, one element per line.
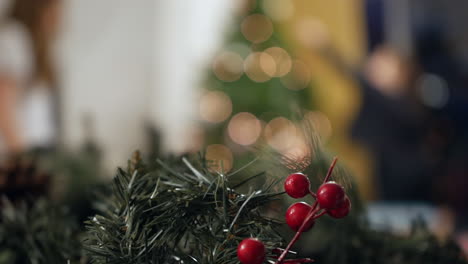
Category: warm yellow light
<point>245,7</point>
<point>257,28</point>
<point>267,64</point>
<point>288,139</point>
<point>278,10</point>
<point>244,129</point>
<point>320,123</point>
<point>215,106</point>
<point>280,133</point>
<point>298,78</point>
<point>282,60</point>
<point>259,66</point>
<point>298,151</point>
<point>219,157</point>
<point>312,33</point>
<point>228,66</point>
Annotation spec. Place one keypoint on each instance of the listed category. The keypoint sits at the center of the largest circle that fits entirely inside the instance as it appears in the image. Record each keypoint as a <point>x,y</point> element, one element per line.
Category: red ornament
<point>296,214</point>
<point>342,210</point>
<point>297,185</point>
<point>251,251</point>
<point>330,195</point>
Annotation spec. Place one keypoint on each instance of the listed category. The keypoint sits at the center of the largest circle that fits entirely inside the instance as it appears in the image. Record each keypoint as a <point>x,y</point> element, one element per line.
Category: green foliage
<point>45,228</point>
<point>77,177</point>
<point>355,242</point>
<point>39,233</point>
<point>179,210</point>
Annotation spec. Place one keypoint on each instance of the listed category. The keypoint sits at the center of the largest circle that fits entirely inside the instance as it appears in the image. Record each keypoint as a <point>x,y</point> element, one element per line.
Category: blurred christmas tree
<point>254,88</point>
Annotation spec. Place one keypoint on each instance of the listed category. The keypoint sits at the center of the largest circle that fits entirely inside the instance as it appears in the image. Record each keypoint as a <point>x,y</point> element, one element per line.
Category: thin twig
<point>242,207</point>
<point>330,170</point>
<point>312,194</point>
<point>196,172</point>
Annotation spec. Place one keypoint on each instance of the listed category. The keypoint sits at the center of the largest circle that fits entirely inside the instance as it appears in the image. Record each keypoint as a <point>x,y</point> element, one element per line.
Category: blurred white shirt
<point>35,109</point>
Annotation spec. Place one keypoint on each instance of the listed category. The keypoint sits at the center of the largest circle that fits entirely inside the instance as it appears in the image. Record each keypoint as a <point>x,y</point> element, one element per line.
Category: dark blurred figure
<point>413,119</point>
<point>414,111</point>
<point>392,123</point>
<point>448,123</point>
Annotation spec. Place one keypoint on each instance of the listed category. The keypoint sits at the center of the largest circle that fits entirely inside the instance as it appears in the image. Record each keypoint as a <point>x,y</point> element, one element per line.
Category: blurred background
<point>382,82</point>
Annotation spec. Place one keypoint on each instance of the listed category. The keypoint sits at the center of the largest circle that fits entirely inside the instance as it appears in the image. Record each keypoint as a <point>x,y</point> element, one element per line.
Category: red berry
<point>296,214</point>
<point>342,210</point>
<point>251,251</point>
<point>297,185</point>
<point>330,195</point>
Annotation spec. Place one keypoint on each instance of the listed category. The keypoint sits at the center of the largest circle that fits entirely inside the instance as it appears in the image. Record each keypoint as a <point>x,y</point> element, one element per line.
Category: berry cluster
<point>330,199</point>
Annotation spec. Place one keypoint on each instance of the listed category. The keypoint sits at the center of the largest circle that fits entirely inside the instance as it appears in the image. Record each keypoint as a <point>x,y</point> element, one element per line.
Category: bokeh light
<point>259,66</point>
<point>257,28</point>
<point>386,71</point>
<point>245,7</point>
<point>228,66</point>
<point>311,32</point>
<point>267,64</point>
<point>278,10</point>
<point>282,60</point>
<point>320,123</point>
<point>298,78</point>
<point>215,106</point>
<point>220,158</point>
<point>288,139</point>
<point>298,151</point>
<point>280,133</point>
<point>433,90</point>
<point>244,129</point>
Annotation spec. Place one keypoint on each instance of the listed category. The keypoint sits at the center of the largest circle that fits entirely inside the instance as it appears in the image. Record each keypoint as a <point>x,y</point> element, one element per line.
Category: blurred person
<point>419,151</point>
<point>27,76</point>
<point>28,94</point>
<point>392,122</point>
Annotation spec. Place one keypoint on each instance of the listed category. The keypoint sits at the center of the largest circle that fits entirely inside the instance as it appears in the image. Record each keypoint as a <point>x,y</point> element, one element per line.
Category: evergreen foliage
<point>42,232</point>
<point>180,210</point>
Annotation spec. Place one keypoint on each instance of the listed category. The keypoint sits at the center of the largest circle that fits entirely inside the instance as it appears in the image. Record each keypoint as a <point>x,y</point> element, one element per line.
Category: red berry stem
<point>314,206</point>
<point>313,194</point>
<point>303,260</point>
<point>299,232</point>
<point>330,169</point>
<point>320,214</point>
<point>280,250</point>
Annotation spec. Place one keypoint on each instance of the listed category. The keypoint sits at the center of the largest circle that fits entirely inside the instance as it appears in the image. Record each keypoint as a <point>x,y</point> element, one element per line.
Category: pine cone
<point>20,178</point>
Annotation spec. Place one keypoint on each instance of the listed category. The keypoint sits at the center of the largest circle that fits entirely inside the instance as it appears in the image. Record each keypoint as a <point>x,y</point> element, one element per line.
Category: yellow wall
<point>334,94</point>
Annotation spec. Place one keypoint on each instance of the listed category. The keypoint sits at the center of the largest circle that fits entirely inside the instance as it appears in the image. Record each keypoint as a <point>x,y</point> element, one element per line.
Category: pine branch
<point>178,210</point>
<point>38,233</point>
